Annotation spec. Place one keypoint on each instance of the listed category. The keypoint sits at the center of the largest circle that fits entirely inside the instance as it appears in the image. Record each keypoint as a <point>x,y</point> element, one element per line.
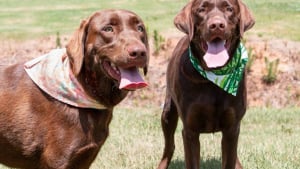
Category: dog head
<point>214,28</point>
<point>111,43</point>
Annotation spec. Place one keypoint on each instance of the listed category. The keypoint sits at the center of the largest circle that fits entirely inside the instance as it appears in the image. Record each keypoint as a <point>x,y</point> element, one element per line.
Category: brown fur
<point>202,106</point>
<point>39,132</point>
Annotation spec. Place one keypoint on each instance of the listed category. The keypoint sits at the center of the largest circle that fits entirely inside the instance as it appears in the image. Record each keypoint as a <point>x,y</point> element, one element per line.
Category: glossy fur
<point>39,132</point>
<point>202,106</point>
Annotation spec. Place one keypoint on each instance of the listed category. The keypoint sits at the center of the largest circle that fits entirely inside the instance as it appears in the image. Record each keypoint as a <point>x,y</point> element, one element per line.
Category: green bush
<point>58,41</point>
<point>272,71</point>
<point>251,58</point>
<point>158,41</point>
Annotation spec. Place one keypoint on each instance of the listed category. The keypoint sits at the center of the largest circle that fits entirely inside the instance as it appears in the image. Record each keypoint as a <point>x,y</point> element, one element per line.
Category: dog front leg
<point>191,148</point>
<point>229,149</point>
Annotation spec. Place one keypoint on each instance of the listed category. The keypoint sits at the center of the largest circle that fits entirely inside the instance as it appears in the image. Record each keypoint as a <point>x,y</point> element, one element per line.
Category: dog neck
<point>198,52</point>
<point>52,73</point>
<point>101,87</point>
<point>229,76</point>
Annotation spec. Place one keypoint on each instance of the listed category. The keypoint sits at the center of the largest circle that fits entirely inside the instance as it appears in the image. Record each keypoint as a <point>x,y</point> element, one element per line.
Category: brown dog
<point>214,29</point>
<point>38,131</point>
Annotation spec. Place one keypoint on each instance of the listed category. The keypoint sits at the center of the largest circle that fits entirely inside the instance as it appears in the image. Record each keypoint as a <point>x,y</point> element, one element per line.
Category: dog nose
<point>217,24</point>
<point>136,51</point>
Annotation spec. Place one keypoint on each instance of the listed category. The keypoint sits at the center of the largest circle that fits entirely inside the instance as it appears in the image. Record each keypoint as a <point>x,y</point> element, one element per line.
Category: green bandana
<point>227,77</point>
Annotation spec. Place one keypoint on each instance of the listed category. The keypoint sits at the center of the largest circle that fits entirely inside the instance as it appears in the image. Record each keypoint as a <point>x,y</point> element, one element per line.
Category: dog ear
<point>146,42</point>
<point>75,47</point>
<point>184,22</point>
<point>246,18</point>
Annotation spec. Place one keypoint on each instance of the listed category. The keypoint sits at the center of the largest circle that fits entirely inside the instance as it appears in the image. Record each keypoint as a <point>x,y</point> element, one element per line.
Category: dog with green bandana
<point>206,86</point>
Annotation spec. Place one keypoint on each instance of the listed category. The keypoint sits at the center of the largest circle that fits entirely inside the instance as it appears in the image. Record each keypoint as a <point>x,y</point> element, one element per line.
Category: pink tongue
<point>131,79</point>
<point>216,54</point>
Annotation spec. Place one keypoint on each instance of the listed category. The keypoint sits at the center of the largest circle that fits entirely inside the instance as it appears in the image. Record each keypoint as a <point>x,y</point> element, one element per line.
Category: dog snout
<point>217,25</point>
<point>136,51</point>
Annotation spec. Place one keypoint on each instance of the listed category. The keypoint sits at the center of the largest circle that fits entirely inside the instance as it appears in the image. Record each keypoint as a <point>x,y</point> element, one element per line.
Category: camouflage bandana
<point>227,77</point>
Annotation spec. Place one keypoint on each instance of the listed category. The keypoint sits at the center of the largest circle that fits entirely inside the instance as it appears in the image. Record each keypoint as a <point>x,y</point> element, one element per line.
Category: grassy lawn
<point>29,19</point>
<point>34,18</point>
<point>269,139</point>
<point>276,18</point>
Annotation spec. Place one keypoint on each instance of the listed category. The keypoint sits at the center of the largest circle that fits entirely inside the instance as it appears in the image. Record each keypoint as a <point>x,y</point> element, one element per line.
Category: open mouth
<point>216,52</point>
<point>111,69</point>
<point>128,78</point>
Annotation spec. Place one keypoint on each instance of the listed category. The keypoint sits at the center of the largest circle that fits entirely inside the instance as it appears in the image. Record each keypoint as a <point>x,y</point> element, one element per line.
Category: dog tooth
<point>113,65</point>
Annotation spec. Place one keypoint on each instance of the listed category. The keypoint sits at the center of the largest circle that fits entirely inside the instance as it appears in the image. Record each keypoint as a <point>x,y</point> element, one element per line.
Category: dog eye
<point>140,28</point>
<point>229,9</point>
<point>108,29</point>
<point>201,10</point>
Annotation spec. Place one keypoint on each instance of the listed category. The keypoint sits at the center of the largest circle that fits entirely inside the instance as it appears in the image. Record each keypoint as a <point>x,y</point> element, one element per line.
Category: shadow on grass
<point>213,163</point>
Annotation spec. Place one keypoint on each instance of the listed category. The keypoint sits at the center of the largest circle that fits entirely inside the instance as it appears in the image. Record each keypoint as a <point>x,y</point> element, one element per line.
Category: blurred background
<point>270,133</point>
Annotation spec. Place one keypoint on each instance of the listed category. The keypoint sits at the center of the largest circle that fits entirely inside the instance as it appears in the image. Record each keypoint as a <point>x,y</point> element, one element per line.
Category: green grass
<point>276,18</point>
<point>35,18</point>
<point>29,19</point>
<point>269,139</point>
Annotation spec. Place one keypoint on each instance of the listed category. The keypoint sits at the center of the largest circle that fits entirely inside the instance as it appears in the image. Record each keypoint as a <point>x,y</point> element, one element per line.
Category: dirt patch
<point>284,92</point>
<point>286,89</point>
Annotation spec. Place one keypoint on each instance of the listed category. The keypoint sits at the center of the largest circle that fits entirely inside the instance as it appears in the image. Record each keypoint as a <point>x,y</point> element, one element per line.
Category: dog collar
<point>52,73</point>
<point>229,76</point>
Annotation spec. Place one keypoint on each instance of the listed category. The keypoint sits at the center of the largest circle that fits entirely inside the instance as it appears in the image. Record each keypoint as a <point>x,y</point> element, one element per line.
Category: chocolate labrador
<point>55,110</point>
<point>205,79</point>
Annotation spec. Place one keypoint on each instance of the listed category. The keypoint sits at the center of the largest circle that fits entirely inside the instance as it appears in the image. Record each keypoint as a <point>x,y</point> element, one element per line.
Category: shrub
<point>271,69</point>
<point>251,58</point>
<point>158,41</point>
<point>58,41</point>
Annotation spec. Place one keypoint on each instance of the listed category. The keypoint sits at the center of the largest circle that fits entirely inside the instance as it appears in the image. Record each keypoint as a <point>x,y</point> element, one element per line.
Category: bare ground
<point>285,91</point>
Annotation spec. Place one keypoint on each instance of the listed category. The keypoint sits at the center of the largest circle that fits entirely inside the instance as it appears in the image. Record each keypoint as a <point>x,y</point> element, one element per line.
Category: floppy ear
<point>184,22</point>
<point>145,69</point>
<point>75,47</point>
<point>246,18</point>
